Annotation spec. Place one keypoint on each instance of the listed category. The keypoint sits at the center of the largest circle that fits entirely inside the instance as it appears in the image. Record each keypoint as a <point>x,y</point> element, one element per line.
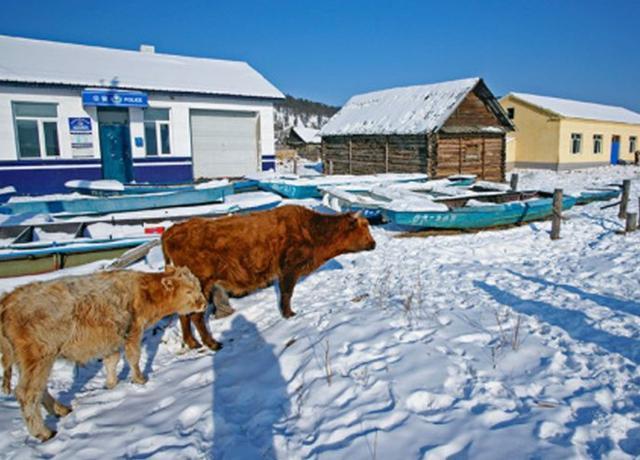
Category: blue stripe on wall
<point>51,175</point>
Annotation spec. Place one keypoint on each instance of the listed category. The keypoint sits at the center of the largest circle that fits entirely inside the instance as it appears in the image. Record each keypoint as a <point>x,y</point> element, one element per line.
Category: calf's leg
<point>111,368</point>
<point>187,336</point>
<point>221,302</point>
<point>34,371</point>
<point>132,353</point>
<point>53,406</point>
<point>7,364</point>
<point>287,282</point>
<point>198,321</point>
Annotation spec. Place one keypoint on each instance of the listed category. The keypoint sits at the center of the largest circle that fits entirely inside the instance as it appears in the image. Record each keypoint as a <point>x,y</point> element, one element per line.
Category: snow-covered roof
<point>36,61</point>
<point>408,110</point>
<point>308,135</point>
<point>577,109</point>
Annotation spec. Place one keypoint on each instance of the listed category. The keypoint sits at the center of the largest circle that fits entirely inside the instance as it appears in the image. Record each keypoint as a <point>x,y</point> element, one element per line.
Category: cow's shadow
<point>250,398</point>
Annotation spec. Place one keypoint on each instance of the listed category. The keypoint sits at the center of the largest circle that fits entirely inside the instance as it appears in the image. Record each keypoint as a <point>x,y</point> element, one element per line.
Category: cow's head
<point>358,237</point>
<point>183,290</point>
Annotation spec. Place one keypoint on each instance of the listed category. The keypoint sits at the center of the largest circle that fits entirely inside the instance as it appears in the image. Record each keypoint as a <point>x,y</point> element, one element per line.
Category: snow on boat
<point>106,187</point>
<point>482,210</point>
<point>208,192</point>
<point>362,197</point>
<point>6,193</point>
<point>309,187</point>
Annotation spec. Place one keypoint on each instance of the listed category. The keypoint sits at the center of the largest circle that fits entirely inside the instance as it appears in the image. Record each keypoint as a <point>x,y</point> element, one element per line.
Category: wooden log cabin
<point>455,127</point>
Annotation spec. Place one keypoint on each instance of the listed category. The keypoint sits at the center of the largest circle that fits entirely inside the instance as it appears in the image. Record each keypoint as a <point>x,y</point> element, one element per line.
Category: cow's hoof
<point>289,314</point>
<point>111,384</point>
<point>193,344</point>
<point>61,410</point>
<point>215,346</point>
<point>6,389</point>
<point>139,380</point>
<point>46,434</point>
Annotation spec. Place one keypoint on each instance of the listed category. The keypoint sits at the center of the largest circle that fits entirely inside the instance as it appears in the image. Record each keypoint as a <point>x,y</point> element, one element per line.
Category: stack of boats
<point>103,219</point>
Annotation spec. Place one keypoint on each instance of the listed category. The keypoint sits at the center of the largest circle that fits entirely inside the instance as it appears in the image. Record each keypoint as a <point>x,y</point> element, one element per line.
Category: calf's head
<point>182,290</point>
<point>357,236</point>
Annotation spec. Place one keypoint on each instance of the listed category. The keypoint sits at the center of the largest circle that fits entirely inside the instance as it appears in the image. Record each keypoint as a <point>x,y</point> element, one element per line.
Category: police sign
<point>114,98</point>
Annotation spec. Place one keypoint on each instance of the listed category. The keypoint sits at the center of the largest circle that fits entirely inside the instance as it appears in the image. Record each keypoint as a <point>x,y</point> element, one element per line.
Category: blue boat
<point>6,193</point>
<point>34,258</point>
<point>309,187</point>
<point>598,194</point>
<point>201,194</point>
<point>507,208</point>
<point>114,187</point>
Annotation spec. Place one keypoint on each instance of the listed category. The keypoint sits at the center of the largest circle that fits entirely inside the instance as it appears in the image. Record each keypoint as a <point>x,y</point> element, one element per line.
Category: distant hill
<point>297,111</point>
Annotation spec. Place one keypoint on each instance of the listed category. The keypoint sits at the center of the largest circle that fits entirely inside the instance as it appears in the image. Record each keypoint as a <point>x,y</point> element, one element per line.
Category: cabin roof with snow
<point>576,109</point>
<point>410,110</point>
<point>307,135</point>
<point>46,62</point>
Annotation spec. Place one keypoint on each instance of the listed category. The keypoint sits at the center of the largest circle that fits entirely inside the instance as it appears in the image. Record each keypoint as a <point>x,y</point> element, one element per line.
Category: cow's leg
<point>132,353</point>
<point>7,364</point>
<point>53,406</point>
<point>34,371</point>
<point>287,282</point>
<point>221,302</point>
<point>111,368</point>
<point>187,336</point>
<point>198,321</point>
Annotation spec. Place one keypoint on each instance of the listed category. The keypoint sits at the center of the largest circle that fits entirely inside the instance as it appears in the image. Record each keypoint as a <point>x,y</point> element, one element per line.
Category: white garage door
<point>224,143</point>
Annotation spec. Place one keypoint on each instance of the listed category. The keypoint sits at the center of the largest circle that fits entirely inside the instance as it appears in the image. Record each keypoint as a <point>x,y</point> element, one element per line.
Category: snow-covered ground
<point>495,345</point>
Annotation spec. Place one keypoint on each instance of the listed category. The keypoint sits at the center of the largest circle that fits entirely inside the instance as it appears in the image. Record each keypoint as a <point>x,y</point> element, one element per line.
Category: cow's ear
<point>168,283</point>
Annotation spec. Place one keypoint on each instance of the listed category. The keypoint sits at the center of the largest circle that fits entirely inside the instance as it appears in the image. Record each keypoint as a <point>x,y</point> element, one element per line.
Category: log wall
<point>482,155</point>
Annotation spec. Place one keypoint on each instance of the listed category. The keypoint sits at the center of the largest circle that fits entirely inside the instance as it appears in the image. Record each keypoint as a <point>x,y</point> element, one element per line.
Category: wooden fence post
<point>557,214</point>
<point>386,154</point>
<point>330,167</point>
<point>350,156</point>
<point>295,165</point>
<point>514,181</point>
<point>632,222</point>
<point>626,189</point>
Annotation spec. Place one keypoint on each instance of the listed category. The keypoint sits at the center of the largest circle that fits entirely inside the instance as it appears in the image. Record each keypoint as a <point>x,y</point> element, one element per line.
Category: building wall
<point>536,138</point>
<point>27,174</point>
<point>543,140</point>
<point>588,129</point>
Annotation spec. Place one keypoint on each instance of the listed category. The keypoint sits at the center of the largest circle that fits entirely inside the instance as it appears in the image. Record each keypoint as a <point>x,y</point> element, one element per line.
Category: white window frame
<point>40,121</point>
<point>578,137</point>
<point>157,124</point>
<point>599,138</point>
<point>633,144</point>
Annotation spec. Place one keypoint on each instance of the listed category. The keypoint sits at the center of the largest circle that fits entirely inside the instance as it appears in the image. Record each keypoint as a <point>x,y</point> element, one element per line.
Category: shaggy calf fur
<point>239,254</point>
<point>80,318</point>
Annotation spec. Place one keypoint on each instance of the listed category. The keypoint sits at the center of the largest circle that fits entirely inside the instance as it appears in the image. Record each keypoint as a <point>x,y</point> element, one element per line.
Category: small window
<point>511,112</point>
<point>156,132</point>
<point>597,143</point>
<point>36,127</point>
<point>633,144</point>
<point>576,143</point>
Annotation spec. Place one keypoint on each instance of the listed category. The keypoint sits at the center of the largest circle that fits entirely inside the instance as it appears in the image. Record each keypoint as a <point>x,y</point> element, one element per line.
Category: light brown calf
<point>80,318</point>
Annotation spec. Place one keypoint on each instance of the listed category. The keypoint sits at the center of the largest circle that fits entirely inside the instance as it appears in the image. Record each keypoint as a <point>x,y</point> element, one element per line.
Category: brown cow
<point>239,254</point>
<point>80,318</point>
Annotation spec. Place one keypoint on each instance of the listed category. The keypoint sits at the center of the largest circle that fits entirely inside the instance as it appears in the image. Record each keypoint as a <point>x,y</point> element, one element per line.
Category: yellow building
<point>561,134</point>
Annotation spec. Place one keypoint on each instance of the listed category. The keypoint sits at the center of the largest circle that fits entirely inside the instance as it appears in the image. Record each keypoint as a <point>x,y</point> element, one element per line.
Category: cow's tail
<point>165,251</point>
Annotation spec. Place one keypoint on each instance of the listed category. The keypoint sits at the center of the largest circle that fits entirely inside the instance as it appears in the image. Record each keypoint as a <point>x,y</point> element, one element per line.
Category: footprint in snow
<point>425,403</point>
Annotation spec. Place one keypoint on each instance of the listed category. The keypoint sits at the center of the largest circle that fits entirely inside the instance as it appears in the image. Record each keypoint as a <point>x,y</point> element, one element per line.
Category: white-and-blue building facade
<point>79,112</point>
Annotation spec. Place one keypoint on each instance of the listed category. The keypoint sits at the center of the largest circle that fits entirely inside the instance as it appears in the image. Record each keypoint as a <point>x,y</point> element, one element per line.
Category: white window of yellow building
<point>576,143</point>
<point>597,143</point>
<point>633,141</point>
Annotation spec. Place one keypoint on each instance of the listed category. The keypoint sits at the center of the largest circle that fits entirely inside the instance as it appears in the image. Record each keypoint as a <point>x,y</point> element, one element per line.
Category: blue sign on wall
<point>79,125</point>
<point>114,98</point>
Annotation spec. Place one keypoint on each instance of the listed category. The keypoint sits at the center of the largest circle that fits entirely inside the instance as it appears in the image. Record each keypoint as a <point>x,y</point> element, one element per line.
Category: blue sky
<point>329,50</point>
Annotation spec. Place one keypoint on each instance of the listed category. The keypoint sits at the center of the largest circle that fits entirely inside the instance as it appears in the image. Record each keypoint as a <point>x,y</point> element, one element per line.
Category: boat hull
<point>589,196</point>
<point>87,206</point>
<point>474,217</point>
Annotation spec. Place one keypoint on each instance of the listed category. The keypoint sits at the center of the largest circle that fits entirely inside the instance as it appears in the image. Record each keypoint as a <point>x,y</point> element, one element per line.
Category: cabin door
<point>615,150</point>
<point>115,144</point>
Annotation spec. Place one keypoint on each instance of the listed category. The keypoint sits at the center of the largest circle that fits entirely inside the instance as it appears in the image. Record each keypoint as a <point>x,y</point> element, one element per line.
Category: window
<point>597,143</point>
<point>36,127</point>
<point>156,132</point>
<point>576,141</point>
<point>633,144</point>
<point>511,112</point>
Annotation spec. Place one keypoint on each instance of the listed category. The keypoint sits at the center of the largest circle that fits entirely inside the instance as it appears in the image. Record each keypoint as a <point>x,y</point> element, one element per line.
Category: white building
<point>82,112</point>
